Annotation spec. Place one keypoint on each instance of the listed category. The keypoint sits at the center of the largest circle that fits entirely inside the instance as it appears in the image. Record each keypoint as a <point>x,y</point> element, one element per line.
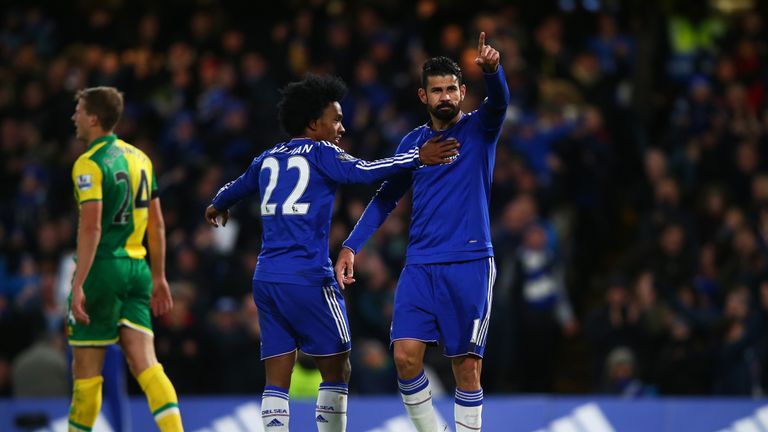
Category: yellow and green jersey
<point>121,177</point>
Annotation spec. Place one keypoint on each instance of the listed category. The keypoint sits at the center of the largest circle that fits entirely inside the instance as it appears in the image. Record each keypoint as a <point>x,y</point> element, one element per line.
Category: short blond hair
<point>106,103</point>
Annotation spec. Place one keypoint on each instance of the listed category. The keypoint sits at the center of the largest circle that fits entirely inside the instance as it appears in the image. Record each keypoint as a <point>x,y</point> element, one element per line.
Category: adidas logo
<point>274,423</point>
<point>586,418</point>
<point>403,423</point>
<point>245,418</point>
<point>756,422</point>
<point>321,419</point>
<point>62,424</point>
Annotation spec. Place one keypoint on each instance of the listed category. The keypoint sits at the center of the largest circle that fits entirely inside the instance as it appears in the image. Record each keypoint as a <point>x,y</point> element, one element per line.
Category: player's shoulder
<point>87,156</point>
<point>335,151</point>
<point>417,131</point>
<point>86,161</point>
<point>470,118</point>
<point>328,146</point>
<point>86,171</point>
<point>276,149</point>
<point>414,136</point>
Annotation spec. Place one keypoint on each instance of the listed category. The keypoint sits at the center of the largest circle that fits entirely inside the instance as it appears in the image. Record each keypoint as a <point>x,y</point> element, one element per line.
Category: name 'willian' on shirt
<point>283,148</point>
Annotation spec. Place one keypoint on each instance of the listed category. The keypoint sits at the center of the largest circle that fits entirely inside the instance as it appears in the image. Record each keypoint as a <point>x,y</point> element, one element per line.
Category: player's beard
<point>442,113</point>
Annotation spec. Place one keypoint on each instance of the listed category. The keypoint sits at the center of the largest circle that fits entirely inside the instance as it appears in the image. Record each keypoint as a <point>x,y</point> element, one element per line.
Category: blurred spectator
<point>535,141</point>
<point>227,350</point>
<point>41,370</point>
<point>178,343</point>
<point>671,260</point>
<point>682,362</point>
<point>621,375</point>
<point>735,362</point>
<point>371,306</point>
<point>652,322</point>
<point>736,359</point>
<point>611,326</point>
<point>542,308</point>
<point>182,141</point>
<point>693,35</point>
<point>373,370</point>
<point>614,50</point>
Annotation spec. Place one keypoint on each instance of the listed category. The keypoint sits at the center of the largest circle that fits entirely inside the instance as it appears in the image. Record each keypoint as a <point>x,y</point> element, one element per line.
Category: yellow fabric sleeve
<point>87,177</point>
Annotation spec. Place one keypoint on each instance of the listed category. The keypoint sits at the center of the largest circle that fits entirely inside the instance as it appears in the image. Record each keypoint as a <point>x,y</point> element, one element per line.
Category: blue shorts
<point>448,303</point>
<point>310,318</point>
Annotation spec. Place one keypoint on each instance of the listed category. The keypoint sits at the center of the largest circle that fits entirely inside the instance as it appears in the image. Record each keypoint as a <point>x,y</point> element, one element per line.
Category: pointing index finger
<point>481,42</point>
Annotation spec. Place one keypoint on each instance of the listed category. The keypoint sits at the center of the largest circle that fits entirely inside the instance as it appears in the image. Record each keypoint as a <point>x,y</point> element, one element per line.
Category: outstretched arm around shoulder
<point>344,168</point>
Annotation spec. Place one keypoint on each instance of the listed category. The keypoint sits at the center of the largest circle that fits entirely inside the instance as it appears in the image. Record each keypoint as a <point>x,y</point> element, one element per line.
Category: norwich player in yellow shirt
<point>113,289</point>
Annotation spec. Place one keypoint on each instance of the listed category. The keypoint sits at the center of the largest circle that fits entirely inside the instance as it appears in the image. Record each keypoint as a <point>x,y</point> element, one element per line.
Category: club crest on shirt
<point>346,157</point>
<point>84,181</point>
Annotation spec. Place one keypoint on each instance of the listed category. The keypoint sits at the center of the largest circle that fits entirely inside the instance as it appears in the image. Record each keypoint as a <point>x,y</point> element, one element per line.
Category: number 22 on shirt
<point>291,206</point>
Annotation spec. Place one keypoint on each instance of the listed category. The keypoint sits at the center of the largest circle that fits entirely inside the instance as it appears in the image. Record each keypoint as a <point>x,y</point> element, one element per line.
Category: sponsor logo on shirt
<point>84,181</point>
<point>344,156</point>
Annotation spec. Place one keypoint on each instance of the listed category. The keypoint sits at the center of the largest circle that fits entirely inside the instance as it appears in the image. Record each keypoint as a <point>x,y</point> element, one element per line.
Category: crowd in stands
<point>629,205</point>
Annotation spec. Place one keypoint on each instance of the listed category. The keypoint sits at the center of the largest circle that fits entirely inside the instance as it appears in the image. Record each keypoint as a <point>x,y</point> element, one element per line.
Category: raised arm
<point>494,107</point>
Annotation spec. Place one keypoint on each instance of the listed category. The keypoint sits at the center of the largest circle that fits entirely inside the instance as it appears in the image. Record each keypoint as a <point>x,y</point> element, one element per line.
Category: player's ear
<point>312,125</point>
<point>462,92</point>
<point>422,95</point>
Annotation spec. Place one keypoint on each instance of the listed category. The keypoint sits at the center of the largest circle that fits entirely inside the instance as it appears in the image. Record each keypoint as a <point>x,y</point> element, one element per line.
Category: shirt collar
<point>109,138</point>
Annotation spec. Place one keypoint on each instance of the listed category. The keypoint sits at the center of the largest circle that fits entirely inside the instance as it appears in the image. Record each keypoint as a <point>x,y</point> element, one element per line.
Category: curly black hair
<point>439,66</point>
<point>305,100</point>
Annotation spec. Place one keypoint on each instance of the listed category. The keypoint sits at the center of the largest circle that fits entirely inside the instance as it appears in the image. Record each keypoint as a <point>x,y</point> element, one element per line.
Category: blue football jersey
<point>296,182</point>
<point>449,218</point>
